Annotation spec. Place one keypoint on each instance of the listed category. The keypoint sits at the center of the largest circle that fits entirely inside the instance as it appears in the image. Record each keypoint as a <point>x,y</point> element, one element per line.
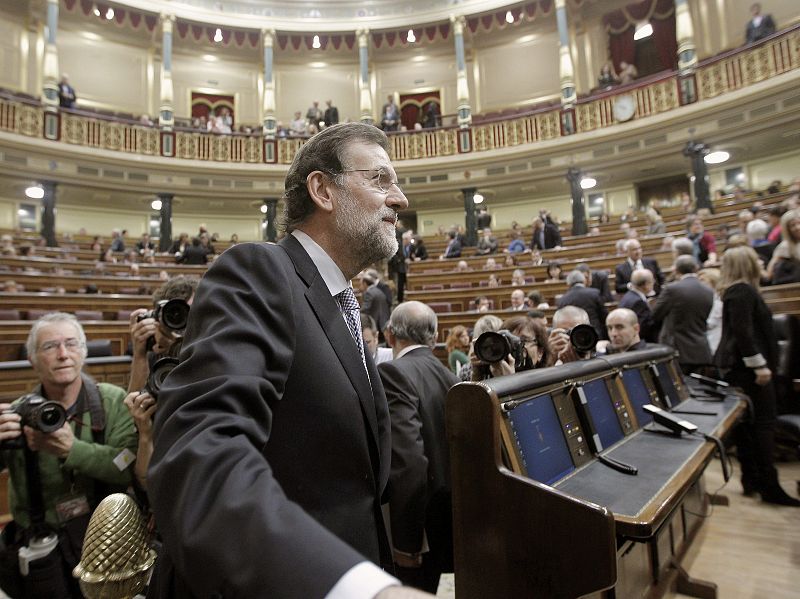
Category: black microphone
<point>669,421</point>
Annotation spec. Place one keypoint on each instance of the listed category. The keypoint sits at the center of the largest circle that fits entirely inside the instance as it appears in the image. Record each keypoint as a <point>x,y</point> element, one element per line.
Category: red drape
<point>666,42</point>
<point>622,47</point>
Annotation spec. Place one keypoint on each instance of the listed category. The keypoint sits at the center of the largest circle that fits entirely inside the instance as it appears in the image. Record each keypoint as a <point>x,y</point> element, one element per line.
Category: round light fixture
<point>96,11</point>
<point>263,208</point>
<point>35,192</point>
<point>509,17</point>
<point>643,30</point>
<point>717,157</point>
<point>155,204</point>
<point>477,198</point>
<point>218,35</point>
<point>588,183</point>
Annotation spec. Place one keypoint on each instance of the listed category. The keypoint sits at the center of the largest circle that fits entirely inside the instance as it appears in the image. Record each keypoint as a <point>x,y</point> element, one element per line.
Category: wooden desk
<point>18,378</point>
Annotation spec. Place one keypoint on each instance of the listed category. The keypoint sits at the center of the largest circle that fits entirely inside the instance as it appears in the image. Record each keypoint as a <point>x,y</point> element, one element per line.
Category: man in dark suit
<point>681,311</point>
<point>635,260</point>
<point>331,114</point>
<point>597,279</point>
<point>272,436</point>
<point>398,268</point>
<point>760,26</point>
<point>373,302</point>
<point>586,298</point>
<point>639,289</point>
<point>416,383</point>
<point>453,249</point>
<point>545,234</point>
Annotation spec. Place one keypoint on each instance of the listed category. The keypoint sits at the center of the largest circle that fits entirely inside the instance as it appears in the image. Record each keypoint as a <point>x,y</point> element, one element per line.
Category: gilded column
<point>268,113</point>
<point>566,68</point>
<point>363,63</point>
<point>462,85</point>
<point>166,107</point>
<point>687,54</point>
<point>50,67</point>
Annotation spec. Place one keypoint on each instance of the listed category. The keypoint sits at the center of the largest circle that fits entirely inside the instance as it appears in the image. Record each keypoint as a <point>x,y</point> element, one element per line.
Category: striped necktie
<point>352,315</point>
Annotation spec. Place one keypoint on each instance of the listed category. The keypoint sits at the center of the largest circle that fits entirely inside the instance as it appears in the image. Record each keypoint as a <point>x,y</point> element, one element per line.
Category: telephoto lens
<point>173,313</point>
<point>158,373</point>
<point>583,338</point>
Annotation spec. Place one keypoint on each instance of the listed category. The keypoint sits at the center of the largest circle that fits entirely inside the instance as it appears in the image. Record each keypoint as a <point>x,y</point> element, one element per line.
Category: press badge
<point>71,506</point>
<point>124,459</point>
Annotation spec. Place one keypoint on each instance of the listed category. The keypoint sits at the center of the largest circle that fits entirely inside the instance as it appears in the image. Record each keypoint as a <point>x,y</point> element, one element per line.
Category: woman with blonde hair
<point>457,347</point>
<point>747,356</point>
<point>784,267</point>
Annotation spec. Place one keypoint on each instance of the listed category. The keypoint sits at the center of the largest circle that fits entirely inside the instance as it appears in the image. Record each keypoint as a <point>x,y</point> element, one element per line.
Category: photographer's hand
<point>57,443</point>
<point>9,426</point>
<point>141,331</point>
<point>503,367</point>
<point>141,407</point>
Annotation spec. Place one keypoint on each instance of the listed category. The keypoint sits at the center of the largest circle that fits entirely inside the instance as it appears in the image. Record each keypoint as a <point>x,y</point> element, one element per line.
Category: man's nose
<point>397,198</point>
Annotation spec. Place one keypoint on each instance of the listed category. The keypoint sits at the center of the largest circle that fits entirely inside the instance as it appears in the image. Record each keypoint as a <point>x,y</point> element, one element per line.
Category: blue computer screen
<point>638,393</point>
<point>540,440</point>
<point>604,417</point>
<point>665,376</point>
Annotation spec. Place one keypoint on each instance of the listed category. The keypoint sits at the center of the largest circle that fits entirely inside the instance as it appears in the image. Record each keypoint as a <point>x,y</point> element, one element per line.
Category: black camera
<point>38,413</point>
<point>158,373</point>
<point>173,313</point>
<point>493,347</point>
<point>583,338</point>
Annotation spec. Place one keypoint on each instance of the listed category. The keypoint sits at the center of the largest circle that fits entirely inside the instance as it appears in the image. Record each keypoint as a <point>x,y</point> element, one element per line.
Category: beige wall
<point>248,229</point>
<point>10,55</point>
<point>297,86</point>
<point>760,173</point>
<point>8,213</point>
<point>411,76</point>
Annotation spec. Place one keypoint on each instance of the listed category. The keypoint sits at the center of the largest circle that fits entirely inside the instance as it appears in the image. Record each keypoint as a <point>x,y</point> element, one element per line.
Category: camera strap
<point>90,395</point>
<point>33,484</point>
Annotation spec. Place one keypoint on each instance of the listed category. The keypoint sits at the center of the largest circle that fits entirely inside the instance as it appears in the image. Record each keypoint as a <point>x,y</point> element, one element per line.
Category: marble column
<point>363,64</point>
<point>49,213</point>
<point>166,108</point>
<point>269,121</point>
<point>462,85</point>
<point>50,67</point>
<point>566,68</point>
<point>471,236</point>
<point>165,222</point>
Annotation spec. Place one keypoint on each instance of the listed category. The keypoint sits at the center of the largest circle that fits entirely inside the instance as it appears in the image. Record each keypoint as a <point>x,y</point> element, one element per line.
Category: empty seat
<point>88,315</point>
<point>124,314</point>
<point>36,314</point>
<point>441,307</point>
<point>98,348</point>
<point>9,314</point>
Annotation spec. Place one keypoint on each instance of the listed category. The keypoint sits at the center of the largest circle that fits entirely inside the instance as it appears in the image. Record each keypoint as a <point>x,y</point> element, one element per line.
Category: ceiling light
<point>317,65</point>
<point>717,157</point>
<point>263,208</point>
<point>218,35</point>
<point>477,198</point>
<point>35,192</point>
<point>509,17</point>
<point>96,11</point>
<point>588,183</point>
<point>643,30</point>
<point>598,200</point>
<point>209,58</point>
<point>315,44</point>
<point>110,13</point>
<point>155,204</point>
<point>411,38</point>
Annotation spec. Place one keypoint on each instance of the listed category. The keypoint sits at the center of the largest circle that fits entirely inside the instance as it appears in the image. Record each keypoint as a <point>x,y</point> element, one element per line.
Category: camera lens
<point>491,347</point>
<point>583,338</point>
<point>158,374</point>
<point>174,314</point>
<point>48,417</point>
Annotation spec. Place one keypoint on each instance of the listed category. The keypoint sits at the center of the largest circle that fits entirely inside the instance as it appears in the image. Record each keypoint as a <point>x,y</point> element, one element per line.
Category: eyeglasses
<point>70,344</point>
<point>380,178</point>
<point>527,340</point>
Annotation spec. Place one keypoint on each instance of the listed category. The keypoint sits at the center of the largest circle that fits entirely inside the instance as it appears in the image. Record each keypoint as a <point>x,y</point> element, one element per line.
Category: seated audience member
<point>510,261</point>
<point>607,76</point>
<point>683,246</point>
<point>490,264</point>
<point>536,258</point>
<point>193,254</point>
<point>516,246</point>
<point>487,244</point>
<point>682,311</point>
<point>117,241</point>
<point>655,224</point>
<point>205,241</point>
<point>145,245</point>
<point>623,332</point>
<point>457,347</point>
<point>420,506</point>
<point>774,221</point>
<point>635,260</point>
<point>462,266</point>
<point>493,281</point>
<point>564,320</point>
<point>179,245</point>
<point>11,287</point>
<point>518,300</point>
<point>418,250</point>
<point>374,302</point>
<point>554,273</point>
<point>784,267</point>
<point>369,333</point>
<point>710,278</point>
<point>597,279</point>
<point>85,459</point>
<point>742,219</point>
<point>298,126</point>
<point>586,298</point>
<point>481,304</point>
<point>639,290</point>
<point>534,300</point>
<point>453,249</point>
<point>757,231</point>
<point>760,26</point>
<point>705,246</point>
<point>518,277</point>
<point>627,73</point>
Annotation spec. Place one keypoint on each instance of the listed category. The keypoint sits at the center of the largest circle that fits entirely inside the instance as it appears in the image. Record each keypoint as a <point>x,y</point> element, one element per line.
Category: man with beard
<point>273,433</point>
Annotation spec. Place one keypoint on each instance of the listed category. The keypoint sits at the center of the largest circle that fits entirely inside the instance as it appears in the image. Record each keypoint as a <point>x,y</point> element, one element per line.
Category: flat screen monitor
<point>540,440</point>
<point>638,394</point>
<point>603,412</point>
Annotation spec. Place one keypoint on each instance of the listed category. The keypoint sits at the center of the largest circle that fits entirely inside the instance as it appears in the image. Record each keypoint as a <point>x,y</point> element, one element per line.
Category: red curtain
<point>664,37</point>
<point>622,47</point>
<point>412,107</point>
<point>207,104</point>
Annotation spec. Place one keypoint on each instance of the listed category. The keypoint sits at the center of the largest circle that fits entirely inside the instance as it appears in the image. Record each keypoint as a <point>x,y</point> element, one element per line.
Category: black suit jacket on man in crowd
<point>589,299</point>
<point>266,345</point>
<point>373,302</point>
<point>416,385</point>
<point>765,28</point>
<point>647,329</point>
<point>623,272</point>
<point>552,238</point>
<point>681,311</point>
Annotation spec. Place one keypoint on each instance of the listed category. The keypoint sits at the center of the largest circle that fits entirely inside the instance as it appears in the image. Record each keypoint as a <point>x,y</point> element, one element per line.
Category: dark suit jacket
<point>272,446</point>
<point>600,282</point>
<point>681,312</point>
<point>453,249</point>
<point>552,238</point>
<point>588,299</point>
<point>373,302</point>
<point>416,385</point>
<point>331,116</point>
<point>747,329</point>
<point>647,329</point>
<point>623,272</point>
<point>193,254</point>
<point>765,28</point>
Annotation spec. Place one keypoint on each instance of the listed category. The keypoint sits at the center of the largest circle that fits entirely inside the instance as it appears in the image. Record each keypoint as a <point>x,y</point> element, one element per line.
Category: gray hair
<point>490,322</point>
<point>685,265</point>
<point>414,321</point>
<point>570,313</point>
<point>683,246</point>
<point>324,152</point>
<point>575,277</point>
<point>53,318</point>
<point>757,229</point>
<point>640,276</point>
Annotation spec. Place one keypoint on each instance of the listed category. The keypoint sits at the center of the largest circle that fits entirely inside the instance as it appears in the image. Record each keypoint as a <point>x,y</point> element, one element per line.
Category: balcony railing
<point>662,93</point>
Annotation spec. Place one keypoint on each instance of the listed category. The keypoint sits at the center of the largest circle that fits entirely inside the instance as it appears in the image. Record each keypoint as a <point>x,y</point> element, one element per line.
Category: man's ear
<point>319,187</point>
<point>388,335</point>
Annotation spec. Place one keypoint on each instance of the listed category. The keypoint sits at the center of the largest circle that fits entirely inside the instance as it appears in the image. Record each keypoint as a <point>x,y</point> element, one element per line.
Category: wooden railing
<point>727,72</point>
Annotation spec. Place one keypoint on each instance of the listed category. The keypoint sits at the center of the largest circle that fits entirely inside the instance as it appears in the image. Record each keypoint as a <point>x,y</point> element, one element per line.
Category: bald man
<point>623,331</point>
<point>639,289</point>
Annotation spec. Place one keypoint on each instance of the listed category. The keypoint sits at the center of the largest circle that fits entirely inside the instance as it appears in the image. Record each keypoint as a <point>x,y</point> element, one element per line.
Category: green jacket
<point>86,462</point>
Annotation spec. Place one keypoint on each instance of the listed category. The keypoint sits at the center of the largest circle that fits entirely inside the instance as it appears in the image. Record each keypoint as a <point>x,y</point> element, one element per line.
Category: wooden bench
<point>18,378</point>
<point>13,335</point>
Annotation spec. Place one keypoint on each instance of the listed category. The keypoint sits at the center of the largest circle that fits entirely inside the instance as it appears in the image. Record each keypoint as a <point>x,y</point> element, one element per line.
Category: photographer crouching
<point>156,335</point>
<point>66,445</point>
<point>520,344</point>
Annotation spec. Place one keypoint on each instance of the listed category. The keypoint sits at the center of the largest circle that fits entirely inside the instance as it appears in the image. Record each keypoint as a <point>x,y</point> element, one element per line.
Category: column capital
<point>268,37</point>
<point>53,2</point>
<point>164,18</point>
<point>458,22</point>
<point>363,37</point>
<point>561,4</point>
